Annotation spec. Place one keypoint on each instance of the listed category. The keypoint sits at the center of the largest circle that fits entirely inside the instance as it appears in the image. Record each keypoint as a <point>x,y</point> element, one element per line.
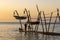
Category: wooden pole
<point>45,21</point>
<point>40,17</point>
<point>54,24</point>
<point>29,18</point>
<point>58,14</point>
<point>56,20</point>
<point>50,21</point>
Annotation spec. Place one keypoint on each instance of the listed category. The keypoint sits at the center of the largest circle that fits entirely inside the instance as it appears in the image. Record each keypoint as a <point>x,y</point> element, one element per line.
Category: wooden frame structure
<point>36,23</point>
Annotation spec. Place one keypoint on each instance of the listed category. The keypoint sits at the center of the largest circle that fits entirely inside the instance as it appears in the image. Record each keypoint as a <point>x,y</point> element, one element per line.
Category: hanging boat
<point>20,17</point>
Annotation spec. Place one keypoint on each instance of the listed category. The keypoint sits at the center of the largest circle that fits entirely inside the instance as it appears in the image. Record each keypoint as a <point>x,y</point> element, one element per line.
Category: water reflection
<point>27,36</point>
<point>11,32</point>
<point>35,36</point>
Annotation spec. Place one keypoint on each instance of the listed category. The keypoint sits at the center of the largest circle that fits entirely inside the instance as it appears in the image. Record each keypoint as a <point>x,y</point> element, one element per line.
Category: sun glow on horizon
<point>7,7</point>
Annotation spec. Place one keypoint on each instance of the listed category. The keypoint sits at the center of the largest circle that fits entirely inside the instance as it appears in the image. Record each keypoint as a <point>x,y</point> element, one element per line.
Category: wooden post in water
<point>40,17</point>
<point>50,21</point>
<point>42,23</point>
<point>56,19</point>
<point>45,21</point>
<point>28,16</point>
<point>54,24</point>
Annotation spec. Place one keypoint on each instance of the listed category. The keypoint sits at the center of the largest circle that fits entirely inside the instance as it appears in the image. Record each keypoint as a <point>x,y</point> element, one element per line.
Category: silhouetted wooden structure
<point>37,22</point>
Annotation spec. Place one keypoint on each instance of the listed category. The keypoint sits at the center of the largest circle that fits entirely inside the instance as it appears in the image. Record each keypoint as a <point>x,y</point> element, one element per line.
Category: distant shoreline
<point>9,22</point>
<point>25,22</point>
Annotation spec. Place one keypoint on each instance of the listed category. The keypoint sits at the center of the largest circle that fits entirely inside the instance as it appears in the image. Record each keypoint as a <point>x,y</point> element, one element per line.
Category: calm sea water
<point>10,32</point>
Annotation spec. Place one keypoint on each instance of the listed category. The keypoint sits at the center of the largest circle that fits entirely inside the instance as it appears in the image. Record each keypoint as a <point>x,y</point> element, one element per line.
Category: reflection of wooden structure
<point>45,33</point>
<point>30,23</point>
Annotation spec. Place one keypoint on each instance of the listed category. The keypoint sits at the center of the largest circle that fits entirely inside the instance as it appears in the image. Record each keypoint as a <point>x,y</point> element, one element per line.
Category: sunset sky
<point>7,7</point>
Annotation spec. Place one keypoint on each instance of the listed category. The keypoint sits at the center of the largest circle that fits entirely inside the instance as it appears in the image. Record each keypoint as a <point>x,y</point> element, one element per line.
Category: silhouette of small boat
<point>16,15</point>
<point>20,17</point>
<point>34,22</point>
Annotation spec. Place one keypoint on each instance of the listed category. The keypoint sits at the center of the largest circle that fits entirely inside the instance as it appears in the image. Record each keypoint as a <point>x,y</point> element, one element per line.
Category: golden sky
<point>7,7</point>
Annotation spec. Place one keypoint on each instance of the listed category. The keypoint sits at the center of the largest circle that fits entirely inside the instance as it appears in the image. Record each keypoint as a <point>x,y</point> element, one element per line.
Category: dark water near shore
<point>10,32</point>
